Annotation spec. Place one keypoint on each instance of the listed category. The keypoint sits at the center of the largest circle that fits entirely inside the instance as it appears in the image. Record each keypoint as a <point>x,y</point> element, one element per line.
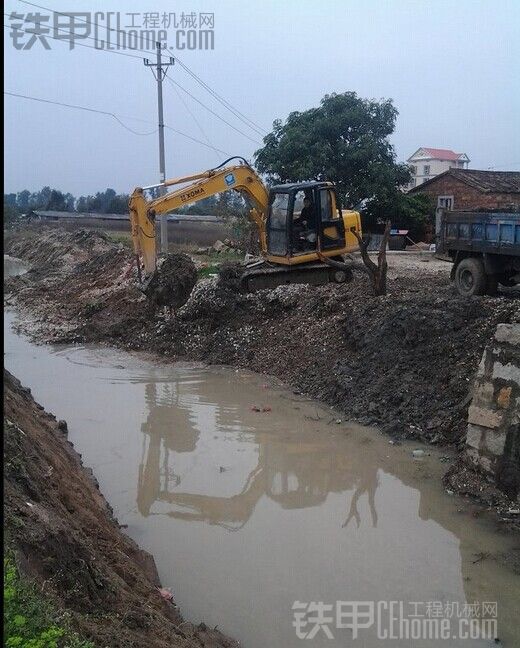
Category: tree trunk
<point>377,272</point>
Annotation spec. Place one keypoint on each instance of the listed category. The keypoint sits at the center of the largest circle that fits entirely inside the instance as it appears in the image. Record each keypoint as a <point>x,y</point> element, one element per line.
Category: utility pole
<point>159,73</point>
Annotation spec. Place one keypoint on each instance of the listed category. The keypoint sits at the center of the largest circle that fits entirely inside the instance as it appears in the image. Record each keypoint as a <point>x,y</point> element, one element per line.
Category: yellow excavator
<point>302,230</point>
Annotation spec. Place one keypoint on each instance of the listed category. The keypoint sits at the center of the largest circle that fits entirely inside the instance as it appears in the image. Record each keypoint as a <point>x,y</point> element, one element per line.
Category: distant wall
<point>468,197</point>
<point>493,437</point>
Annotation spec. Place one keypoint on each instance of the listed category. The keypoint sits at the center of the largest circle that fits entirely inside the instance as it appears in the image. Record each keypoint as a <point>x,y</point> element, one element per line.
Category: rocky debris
<point>64,537</point>
<point>475,484</point>
<point>219,247</point>
<point>172,282</point>
<point>48,248</point>
<point>229,275</point>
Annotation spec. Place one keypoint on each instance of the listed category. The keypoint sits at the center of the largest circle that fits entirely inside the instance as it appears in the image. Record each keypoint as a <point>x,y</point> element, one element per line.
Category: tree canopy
<point>344,140</point>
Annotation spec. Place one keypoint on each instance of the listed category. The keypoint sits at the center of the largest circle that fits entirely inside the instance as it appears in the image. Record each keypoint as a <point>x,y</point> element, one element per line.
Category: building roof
<point>439,154</point>
<point>484,181</point>
<point>443,154</point>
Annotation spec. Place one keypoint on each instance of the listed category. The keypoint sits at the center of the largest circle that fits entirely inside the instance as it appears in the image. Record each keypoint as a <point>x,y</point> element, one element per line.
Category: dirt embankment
<point>64,536</point>
<point>404,362</point>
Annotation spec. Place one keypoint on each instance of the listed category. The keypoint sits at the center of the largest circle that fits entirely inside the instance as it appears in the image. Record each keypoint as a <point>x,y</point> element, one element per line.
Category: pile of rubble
<point>220,247</point>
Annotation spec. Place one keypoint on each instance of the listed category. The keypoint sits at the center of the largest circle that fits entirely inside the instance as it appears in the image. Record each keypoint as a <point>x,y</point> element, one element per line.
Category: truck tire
<point>470,277</point>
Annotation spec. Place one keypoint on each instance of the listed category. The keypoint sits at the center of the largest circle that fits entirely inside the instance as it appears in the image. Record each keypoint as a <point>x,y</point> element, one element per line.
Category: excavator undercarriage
<point>265,275</point>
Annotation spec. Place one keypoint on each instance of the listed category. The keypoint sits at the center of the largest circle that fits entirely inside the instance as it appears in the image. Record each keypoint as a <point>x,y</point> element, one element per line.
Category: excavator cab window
<point>304,221</point>
<point>299,217</point>
<point>332,228</point>
<point>277,223</point>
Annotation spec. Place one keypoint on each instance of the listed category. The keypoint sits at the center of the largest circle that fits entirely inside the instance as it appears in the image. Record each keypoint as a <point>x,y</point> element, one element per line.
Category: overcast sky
<point>451,68</point>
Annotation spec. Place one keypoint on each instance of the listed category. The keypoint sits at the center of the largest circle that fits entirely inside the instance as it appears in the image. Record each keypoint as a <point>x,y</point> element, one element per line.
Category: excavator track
<point>264,275</point>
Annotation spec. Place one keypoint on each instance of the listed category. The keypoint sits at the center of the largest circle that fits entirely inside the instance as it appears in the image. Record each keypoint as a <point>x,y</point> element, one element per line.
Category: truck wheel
<point>470,277</point>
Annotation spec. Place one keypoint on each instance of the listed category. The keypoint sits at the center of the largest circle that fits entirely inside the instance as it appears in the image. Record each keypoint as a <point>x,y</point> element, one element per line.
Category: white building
<point>426,163</point>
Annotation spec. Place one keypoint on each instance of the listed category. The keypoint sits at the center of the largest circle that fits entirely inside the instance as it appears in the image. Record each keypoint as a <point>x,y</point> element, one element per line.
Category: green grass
<point>121,237</point>
<point>206,271</point>
<point>30,619</point>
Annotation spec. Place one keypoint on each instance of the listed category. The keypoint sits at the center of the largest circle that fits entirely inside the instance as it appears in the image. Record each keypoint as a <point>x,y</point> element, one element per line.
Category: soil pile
<point>404,361</point>
<point>65,537</point>
<point>172,282</point>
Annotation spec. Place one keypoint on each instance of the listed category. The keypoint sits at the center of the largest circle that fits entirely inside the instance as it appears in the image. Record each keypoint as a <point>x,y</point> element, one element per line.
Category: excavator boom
<point>241,178</point>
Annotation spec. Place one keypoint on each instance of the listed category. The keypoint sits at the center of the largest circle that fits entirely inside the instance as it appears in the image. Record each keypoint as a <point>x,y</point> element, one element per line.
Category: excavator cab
<point>303,219</point>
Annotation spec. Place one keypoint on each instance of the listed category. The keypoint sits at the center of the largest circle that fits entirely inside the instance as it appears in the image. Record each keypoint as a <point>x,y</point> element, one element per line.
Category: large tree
<point>344,140</point>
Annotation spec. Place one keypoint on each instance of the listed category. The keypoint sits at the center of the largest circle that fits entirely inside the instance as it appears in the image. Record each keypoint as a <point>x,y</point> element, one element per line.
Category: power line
<point>87,22</point>
<point>258,129</point>
<point>77,107</point>
<point>193,139</point>
<point>62,40</point>
<point>103,112</point>
<point>174,83</point>
<point>188,109</point>
<point>237,113</point>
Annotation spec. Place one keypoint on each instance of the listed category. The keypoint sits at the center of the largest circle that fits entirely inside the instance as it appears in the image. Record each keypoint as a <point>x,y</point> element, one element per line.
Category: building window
<point>426,169</point>
<point>413,169</point>
<point>445,202</point>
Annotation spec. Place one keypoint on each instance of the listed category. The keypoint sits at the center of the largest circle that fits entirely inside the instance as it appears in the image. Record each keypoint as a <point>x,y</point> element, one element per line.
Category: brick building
<point>469,189</point>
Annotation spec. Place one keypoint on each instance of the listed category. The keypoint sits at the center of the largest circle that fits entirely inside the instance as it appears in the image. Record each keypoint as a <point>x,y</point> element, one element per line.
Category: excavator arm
<point>143,212</point>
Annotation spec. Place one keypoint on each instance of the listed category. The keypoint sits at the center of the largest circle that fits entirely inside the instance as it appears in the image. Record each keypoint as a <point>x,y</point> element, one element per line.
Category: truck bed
<point>481,232</point>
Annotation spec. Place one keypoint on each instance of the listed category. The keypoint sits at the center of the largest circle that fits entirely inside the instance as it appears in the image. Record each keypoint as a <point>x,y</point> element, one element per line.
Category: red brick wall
<point>466,197</point>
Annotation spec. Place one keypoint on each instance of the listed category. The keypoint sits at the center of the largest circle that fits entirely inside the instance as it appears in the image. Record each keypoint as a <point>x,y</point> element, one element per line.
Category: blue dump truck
<point>484,248</point>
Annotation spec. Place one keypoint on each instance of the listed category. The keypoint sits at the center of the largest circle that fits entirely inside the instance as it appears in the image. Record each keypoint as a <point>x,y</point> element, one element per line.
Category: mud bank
<point>65,538</point>
<point>404,362</point>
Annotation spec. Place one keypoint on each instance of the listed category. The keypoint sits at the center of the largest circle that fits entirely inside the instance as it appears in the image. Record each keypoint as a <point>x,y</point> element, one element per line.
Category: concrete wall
<point>493,437</point>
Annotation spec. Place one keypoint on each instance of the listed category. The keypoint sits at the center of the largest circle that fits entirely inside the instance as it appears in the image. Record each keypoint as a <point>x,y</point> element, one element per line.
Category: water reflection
<point>294,470</point>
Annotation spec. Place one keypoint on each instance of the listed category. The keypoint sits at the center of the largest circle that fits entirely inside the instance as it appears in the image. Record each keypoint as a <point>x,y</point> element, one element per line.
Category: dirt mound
<point>172,282</point>
<point>65,537</point>
<point>230,274</point>
<point>410,361</point>
<point>47,248</point>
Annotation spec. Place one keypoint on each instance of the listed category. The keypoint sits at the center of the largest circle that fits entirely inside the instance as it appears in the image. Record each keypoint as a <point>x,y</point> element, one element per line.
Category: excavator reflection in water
<point>295,473</point>
<point>297,470</point>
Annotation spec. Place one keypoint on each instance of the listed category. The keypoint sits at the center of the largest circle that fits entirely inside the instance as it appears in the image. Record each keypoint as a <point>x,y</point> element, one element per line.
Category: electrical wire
<point>104,112</point>
<point>237,113</point>
<point>174,83</point>
<point>62,40</point>
<point>87,22</point>
<point>258,129</point>
<point>77,107</point>
<point>188,109</point>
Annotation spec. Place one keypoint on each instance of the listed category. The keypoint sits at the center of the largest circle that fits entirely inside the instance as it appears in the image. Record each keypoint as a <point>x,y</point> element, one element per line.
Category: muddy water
<point>247,512</point>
